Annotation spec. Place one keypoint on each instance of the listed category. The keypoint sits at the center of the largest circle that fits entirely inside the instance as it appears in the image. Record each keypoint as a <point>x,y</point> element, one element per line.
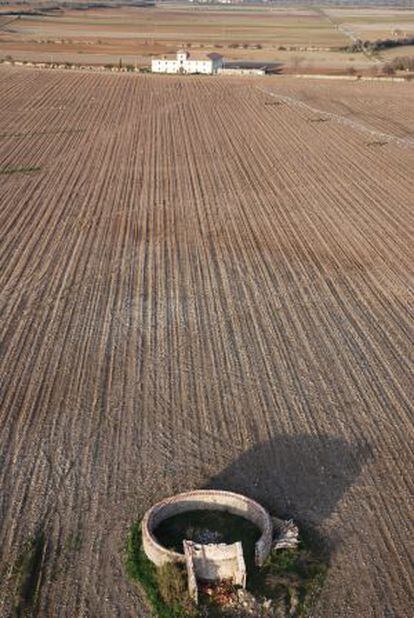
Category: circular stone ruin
<point>208,561</point>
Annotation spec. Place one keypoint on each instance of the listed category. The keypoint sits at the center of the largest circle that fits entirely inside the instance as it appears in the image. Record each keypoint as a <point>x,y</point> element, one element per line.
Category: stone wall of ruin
<point>215,562</point>
<point>203,500</point>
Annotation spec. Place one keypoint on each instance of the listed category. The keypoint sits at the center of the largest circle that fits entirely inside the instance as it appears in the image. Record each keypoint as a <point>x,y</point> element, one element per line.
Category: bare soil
<point>205,282</point>
<point>136,34</point>
<point>302,38</point>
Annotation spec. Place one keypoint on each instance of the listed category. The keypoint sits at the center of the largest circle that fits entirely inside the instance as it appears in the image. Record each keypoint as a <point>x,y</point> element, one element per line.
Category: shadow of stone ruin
<point>300,476</point>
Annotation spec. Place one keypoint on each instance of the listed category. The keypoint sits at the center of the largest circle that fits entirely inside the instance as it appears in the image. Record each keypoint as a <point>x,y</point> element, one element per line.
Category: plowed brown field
<point>205,282</point>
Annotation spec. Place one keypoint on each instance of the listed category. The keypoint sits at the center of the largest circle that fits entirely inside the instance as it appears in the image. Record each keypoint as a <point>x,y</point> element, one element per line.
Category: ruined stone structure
<point>214,562</point>
<point>209,562</point>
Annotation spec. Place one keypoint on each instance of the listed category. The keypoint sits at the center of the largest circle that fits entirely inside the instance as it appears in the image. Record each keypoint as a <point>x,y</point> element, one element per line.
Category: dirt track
<point>205,284</point>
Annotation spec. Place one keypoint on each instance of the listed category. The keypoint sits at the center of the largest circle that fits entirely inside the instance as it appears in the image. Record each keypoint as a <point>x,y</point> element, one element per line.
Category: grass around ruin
<point>143,571</point>
<point>291,578</point>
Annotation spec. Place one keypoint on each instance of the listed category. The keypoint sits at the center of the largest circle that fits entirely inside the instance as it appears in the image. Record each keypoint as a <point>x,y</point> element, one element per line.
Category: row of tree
<point>379,44</point>
<point>402,63</point>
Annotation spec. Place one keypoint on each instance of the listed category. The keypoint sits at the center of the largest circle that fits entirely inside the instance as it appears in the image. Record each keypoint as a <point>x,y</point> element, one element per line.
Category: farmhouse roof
<point>215,56</point>
<point>204,56</point>
<point>193,56</point>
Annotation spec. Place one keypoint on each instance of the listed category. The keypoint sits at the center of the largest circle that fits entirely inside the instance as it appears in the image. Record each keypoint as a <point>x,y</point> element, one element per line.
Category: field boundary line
<point>353,124</point>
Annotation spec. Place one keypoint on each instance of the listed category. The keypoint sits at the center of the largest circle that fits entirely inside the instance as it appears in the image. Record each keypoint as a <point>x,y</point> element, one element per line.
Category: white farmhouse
<point>184,63</point>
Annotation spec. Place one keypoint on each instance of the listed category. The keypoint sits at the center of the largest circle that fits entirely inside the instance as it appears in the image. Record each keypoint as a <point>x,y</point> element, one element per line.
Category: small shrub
<point>284,560</point>
<point>28,571</point>
<point>403,63</point>
<point>172,585</point>
<point>292,578</point>
<point>140,569</point>
<point>388,69</point>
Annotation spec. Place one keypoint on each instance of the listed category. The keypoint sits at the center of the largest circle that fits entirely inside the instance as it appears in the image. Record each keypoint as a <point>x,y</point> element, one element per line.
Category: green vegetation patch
<point>291,578</point>
<point>19,169</point>
<point>27,570</point>
<point>37,133</point>
<point>166,588</point>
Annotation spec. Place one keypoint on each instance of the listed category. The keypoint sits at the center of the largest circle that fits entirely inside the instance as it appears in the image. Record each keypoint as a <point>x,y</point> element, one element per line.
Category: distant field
<point>372,24</point>
<point>389,54</point>
<point>204,282</point>
<point>103,36</point>
<point>256,33</point>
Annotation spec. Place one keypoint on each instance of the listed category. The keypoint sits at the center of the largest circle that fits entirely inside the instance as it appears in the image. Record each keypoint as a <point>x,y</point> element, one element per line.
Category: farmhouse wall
<point>183,63</point>
<point>240,71</point>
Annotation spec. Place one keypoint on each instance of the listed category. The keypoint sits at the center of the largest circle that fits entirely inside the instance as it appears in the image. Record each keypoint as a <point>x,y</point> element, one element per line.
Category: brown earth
<point>137,34</point>
<point>374,23</point>
<point>310,37</point>
<point>206,282</point>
